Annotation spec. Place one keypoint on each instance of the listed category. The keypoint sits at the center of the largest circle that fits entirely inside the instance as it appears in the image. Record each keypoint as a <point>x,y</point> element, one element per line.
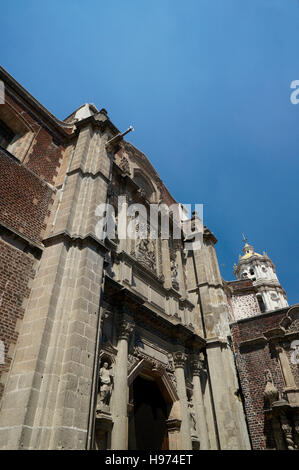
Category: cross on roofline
<point>244,238</point>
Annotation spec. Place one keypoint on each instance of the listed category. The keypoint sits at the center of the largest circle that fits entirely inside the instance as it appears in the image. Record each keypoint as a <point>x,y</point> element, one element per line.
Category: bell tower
<point>260,269</point>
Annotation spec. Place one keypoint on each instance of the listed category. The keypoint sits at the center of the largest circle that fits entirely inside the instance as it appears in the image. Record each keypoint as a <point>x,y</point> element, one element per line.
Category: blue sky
<point>206,84</point>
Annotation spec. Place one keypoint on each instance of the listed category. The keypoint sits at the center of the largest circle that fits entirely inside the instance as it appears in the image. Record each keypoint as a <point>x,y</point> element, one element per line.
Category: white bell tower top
<point>261,270</point>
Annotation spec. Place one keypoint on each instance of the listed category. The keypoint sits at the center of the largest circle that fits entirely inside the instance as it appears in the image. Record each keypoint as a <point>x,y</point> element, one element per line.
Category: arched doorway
<point>147,423</point>
<point>154,409</point>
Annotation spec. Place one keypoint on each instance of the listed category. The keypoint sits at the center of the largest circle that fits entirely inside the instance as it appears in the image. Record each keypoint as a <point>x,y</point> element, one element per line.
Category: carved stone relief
<point>124,165</point>
<point>146,253</point>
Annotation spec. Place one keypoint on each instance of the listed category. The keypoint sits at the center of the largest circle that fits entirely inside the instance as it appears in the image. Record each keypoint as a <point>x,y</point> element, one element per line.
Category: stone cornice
<point>260,316</point>
<point>240,287</point>
<point>75,238</point>
<point>102,125</point>
<point>174,330</point>
<point>35,248</point>
<point>88,174</point>
<point>59,126</point>
<point>215,342</point>
<point>273,335</point>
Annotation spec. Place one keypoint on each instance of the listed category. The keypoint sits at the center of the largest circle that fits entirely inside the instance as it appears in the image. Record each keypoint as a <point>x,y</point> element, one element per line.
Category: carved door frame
<point>169,394</point>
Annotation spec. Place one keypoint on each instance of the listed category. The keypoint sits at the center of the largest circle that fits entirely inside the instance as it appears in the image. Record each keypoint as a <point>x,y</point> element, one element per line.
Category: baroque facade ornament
<point>124,165</point>
<point>196,365</point>
<point>146,253</point>
<point>125,328</point>
<point>174,274</point>
<point>179,358</point>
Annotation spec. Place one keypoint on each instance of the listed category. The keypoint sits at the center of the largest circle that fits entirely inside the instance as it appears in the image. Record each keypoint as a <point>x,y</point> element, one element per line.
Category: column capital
<point>197,363</point>
<point>179,358</point>
<point>125,328</point>
<point>196,366</point>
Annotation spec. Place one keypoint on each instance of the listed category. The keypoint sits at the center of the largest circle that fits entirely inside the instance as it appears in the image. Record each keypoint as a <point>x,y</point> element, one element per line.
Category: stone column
<point>201,421</point>
<point>119,436</point>
<point>229,422</point>
<point>166,262</point>
<point>179,362</point>
<point>181,273</point>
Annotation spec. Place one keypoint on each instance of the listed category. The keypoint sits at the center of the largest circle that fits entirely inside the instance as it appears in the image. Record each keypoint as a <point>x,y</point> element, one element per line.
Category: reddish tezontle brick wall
<point>16,269</point>
<point>25,199</point>
<point>44,154</point>
<point>252,362</point>
<point>24,206</point>
<point>25,203</point>
<point>45,157</point>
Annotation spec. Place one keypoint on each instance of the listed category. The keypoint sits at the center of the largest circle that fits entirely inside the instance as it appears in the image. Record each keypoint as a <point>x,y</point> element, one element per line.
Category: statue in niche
<point>105,387</point>
<point>174,274</point>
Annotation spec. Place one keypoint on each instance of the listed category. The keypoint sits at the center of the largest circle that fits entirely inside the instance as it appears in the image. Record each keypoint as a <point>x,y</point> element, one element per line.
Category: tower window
<point>261,303</point>
<point>6,135</point>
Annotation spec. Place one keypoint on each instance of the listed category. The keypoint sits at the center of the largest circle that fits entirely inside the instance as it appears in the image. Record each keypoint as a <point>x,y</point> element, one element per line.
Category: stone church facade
<point>122,343</point>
